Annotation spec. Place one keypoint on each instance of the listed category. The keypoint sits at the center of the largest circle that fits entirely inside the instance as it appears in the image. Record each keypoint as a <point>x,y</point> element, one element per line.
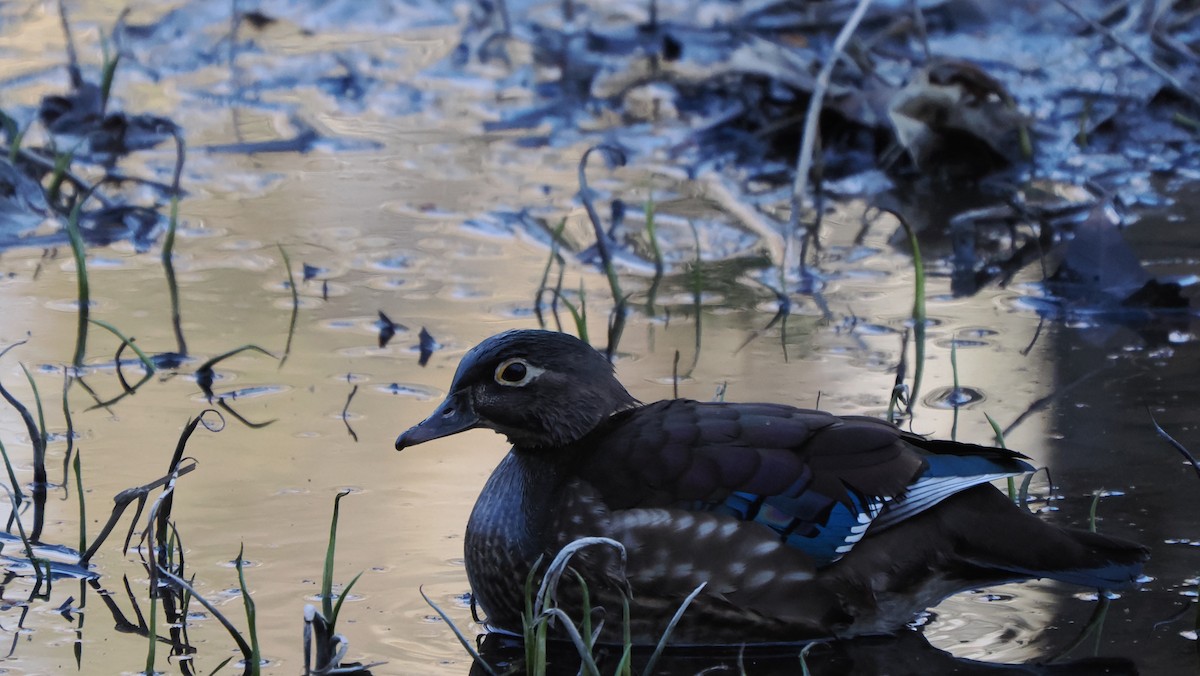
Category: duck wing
<point>818,480</point>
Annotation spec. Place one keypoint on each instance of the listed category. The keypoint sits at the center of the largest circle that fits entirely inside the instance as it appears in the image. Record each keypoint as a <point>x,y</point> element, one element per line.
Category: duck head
<point>541,389</point>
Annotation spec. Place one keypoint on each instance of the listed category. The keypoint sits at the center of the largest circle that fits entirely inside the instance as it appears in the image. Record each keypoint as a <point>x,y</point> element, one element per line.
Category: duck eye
<point>513,373</point>
<point>516,372</point>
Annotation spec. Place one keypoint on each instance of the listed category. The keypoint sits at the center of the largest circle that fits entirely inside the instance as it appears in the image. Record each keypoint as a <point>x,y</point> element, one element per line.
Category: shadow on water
<point>906,654</point>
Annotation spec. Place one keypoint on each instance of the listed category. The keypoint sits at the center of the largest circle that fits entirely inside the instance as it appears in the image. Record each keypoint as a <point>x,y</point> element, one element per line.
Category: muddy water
<point>385,226</point>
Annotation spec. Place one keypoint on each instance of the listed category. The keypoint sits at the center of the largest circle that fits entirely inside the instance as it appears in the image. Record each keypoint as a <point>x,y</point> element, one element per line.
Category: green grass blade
<point>37,400</point>
<point>586,608</point>
<point>467,645</point>
<point>918,315</point>
<point>327,574</point>
<point>12,476</point>
<point>532,628</point>
<point>255,665</point>
<point>625,666</point>
<point>337,607</point>
<point>215,611</point>
<point>580,320</point>
<point>108,72</point>
<point>652,235</point>
<point>83,291</point>
<point>221,666</point>
<point>555,242</point>
<point>999,433</point>
<point>804,659</point>
<point>152,632</point>
<point>587,660</point>
<point>662,641</point>
<point>146,363</point>
<point>62,163</point>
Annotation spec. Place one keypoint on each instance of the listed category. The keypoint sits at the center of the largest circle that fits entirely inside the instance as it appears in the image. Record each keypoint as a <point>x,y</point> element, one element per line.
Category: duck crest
<point>800,524</point>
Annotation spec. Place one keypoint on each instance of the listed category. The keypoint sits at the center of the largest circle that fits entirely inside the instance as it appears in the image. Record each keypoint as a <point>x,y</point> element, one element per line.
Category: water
<point>381,213</point>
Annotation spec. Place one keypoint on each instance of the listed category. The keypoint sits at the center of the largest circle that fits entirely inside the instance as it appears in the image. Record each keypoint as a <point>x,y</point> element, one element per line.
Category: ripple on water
<point>72,304</point>
<point>869,329</point>
<point>518,310</point>
<point>419,392</point>
<point>351,378</point>
<point>388,263</point>
<point>245,261</point>
<point>304,302</point>
<point>953,397</point>
<point>252,392</point>
<point>960,343</point>
<point>462,292</point>
<point>102,263</point>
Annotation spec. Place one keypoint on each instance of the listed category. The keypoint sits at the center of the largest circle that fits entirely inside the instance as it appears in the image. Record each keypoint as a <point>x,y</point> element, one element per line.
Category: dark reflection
<point>906,654</point>
<point>1103,440</point>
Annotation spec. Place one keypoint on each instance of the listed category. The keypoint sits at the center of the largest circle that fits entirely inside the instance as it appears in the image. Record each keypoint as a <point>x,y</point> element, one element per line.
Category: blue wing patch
<point>821,527</point>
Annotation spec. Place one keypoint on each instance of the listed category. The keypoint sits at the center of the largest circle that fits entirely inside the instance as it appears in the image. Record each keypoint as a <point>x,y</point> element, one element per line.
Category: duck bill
<point>454,415</point>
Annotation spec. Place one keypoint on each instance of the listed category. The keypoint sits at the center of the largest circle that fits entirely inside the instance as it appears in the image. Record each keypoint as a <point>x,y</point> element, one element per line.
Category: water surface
<point>397,214</point>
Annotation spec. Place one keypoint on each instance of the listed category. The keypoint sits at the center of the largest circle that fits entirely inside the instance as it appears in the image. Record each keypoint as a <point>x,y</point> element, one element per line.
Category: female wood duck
<point>801,523</point>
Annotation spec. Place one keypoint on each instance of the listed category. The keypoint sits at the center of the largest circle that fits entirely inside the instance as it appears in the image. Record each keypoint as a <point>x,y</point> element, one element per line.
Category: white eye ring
<point>516,372</point>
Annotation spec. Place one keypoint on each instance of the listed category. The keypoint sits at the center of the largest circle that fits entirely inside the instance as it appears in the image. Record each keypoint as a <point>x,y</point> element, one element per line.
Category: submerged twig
<point>204,373</point>
<point>242,419</point>
<point>169,244</point>
<point>812,117</point>
<point>35,437</point>
<point>1179,87</point>
<point>68,380</point>
<point>555,257</point>
<point>345,414</point>
<point>287,263</point>
<point>1058,392</point>
<point>176,469</point>
<point>616,324</point>
<point>1171,440</point>
<point>918,316</point>
<point>179,582</point>
<point>122,500</point>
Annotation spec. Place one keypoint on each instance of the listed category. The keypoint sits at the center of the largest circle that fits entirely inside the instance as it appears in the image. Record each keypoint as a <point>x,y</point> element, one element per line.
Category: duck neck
<point>510,527</point>
<point>517,501</point>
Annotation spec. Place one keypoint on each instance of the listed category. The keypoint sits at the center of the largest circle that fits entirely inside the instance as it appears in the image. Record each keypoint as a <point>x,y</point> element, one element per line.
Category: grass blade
<point>146,362</point>
<point>662,641</point>
<point>459,635</point>
<point>287,263</point>
<point>83,290</point>
<point>327,574</point>
<point>255,664</point>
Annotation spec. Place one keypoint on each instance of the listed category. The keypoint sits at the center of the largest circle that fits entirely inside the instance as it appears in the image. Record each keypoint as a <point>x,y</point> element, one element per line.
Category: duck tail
<point>1093,560</point>
<point>1026,546</point>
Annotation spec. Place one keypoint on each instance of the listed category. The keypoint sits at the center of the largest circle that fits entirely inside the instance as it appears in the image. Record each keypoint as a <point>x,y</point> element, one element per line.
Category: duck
<point>782,524</point>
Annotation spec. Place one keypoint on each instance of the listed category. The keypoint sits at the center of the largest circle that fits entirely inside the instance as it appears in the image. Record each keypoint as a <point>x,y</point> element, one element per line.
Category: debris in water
<point>427,346</point>
<point>387,329</point>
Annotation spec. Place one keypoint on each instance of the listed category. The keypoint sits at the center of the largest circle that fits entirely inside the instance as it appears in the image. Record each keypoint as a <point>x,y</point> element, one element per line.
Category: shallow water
<point>381,213</point>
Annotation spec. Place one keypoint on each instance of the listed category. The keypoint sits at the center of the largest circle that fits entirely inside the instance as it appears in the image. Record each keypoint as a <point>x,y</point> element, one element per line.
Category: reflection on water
<point>382,229</point>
